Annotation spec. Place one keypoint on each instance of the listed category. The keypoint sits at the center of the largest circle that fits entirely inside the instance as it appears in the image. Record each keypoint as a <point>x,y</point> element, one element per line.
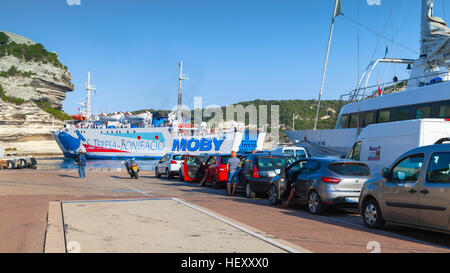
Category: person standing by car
<point>233,164</point>
<point>81,162</point>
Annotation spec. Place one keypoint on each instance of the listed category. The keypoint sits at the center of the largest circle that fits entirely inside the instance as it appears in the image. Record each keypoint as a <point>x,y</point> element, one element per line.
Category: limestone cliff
<point>33,84</point>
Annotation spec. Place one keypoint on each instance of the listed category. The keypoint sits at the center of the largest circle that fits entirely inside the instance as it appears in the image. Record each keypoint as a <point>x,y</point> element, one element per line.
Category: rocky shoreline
<point>32,88</point>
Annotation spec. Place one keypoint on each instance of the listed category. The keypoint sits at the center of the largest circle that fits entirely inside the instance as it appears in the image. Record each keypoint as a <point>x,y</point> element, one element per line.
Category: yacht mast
<point>336,12</point>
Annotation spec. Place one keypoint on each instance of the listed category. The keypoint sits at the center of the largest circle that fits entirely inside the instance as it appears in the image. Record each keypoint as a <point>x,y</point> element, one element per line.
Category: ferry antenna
<point>89,88</point>
<point>181,78</point>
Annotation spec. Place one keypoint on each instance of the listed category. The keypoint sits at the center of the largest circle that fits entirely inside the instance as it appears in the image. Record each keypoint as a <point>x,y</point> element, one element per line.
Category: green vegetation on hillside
<point>304,112</point>
<point>35,52</point>
<point>13,71</point>
<point>53,111</point>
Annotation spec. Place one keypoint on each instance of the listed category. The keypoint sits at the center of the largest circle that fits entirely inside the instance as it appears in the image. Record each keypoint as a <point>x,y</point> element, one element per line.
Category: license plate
<point>271,174</point>
<point>351,199</point>
<point>134,168</point>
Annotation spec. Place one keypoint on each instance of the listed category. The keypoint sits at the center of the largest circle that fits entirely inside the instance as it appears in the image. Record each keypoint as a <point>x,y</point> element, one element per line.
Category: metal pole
<point>336,7</point>
<point>179,90</point>
<point>88,97</point>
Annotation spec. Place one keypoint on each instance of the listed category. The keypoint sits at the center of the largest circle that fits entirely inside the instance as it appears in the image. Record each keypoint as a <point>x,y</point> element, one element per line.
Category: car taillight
<point>173,162</point>
<point>330,180</point>
<point>255,172</point>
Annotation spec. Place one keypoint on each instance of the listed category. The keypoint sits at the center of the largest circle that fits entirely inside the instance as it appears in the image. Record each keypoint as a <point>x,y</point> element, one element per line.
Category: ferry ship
<point>426,94</point>
<point>148,136</point>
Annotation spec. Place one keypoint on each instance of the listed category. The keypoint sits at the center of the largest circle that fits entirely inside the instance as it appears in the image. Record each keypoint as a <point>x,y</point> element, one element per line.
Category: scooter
<point>132,168</point>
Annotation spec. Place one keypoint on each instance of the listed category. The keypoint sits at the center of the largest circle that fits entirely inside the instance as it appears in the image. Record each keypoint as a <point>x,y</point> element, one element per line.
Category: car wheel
<point>11,164</point>
<point>168,174</point>
<point>181,177</point>
<point>23,163</point>
<point>273,195</point>
<point>315,205</point>
<point>157,173</point>
<point>372,214</point>
<point>248,191</point>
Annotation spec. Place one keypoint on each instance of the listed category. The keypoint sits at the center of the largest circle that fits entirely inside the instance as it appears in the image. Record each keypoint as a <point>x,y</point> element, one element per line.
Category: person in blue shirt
<point>81,162</point>
<point>232,166</point>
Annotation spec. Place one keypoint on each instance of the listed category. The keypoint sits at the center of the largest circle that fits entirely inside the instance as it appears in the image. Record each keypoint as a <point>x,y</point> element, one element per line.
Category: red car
<point>215,166</point>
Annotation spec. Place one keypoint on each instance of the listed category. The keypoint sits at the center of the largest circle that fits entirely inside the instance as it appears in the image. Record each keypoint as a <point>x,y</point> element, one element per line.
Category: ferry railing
<point>364,93</point>
<point>199,132</point>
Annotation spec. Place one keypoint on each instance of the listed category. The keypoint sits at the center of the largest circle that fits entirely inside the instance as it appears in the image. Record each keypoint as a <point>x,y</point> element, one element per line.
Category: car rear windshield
<point>225,159</point>
<point>178,157</point>
<point>203,158</point>
<point>271,162</point>
<point>350,169</point>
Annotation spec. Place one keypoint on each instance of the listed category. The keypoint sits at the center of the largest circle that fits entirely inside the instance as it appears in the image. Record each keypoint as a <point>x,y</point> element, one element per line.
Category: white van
<point>298,152</point>
<point>379,145</point>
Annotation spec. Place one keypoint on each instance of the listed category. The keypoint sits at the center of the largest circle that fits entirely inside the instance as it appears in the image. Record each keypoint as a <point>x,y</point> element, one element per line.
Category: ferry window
<point>444,111</point>
<point>384,116</point>
<point>344,121</point>
<point>353,121</point>
<point>423,112</point>
<point>402,114</point>
<point>369,118</point>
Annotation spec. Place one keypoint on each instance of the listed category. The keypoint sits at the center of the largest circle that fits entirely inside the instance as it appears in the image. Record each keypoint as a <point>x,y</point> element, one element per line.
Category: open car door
<point>289,174</point>
<point>194,168</point>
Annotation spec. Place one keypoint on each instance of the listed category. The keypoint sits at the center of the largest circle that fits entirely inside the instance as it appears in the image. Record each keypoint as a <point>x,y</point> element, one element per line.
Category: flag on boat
<point>379,89</point>
<point>337,9</point>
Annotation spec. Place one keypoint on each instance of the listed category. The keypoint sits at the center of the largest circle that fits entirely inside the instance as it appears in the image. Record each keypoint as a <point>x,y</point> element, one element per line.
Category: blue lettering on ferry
<point>196,144</point>
<point>205,145</point>
<point>218,143</point>
<point>193,144</point>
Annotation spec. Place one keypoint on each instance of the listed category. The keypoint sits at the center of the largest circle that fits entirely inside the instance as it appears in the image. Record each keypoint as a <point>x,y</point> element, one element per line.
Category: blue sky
<point>233,50</point>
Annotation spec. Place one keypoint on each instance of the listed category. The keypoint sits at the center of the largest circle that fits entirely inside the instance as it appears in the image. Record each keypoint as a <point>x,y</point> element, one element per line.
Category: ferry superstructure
<point>124,135</point>
<point>426,94</point>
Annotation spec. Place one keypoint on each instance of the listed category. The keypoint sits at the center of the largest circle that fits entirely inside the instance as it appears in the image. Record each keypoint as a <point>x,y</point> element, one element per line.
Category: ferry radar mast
<point>181,78</point>
<point>89,88</point>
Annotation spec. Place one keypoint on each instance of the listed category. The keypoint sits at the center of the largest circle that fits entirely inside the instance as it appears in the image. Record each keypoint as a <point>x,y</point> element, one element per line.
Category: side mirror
<point>342,156</point>
<point>385,173</point>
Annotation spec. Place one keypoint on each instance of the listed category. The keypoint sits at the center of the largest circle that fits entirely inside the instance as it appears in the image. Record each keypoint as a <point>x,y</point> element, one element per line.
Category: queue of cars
<point>413,191</point>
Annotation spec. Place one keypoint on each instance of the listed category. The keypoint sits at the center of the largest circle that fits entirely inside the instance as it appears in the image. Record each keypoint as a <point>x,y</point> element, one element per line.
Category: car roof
<point>330,159</point>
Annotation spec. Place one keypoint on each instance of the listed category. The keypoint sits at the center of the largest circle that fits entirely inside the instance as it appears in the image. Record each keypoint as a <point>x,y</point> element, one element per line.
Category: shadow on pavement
<point>68,176</point>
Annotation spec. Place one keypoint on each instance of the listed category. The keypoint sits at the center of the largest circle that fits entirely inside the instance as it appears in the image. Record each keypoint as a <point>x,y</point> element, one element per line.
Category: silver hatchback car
<point>320,182</point>
<point>414,191</point>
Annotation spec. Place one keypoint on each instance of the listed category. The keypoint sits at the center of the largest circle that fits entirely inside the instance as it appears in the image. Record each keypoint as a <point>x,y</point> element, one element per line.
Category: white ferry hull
<point>149,143</point>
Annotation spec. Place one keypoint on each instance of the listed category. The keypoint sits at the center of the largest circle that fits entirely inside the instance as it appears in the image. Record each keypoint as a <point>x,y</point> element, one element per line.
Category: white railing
<point>364,93</point>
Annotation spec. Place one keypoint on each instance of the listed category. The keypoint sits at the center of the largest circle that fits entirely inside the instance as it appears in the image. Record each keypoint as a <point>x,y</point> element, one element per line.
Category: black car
<point>258,171</point>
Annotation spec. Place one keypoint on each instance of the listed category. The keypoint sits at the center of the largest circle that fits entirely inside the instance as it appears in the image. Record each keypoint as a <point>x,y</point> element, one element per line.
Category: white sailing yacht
<point>426,94</point>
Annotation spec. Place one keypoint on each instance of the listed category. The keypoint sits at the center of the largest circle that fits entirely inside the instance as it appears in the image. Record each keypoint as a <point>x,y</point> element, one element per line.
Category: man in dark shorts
<point>233,164</point>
